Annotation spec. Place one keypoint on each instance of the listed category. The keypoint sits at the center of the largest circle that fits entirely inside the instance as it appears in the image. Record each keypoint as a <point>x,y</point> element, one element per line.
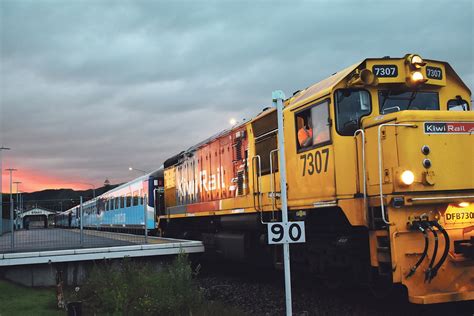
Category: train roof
<point>176,158</point>
<point>306,95</point>
<point>326,85</point>
<point>155,173</point>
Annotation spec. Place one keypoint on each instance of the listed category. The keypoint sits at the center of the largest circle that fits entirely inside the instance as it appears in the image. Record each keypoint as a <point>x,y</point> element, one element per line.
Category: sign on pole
<point>290,232</point>
<point>284,232</point>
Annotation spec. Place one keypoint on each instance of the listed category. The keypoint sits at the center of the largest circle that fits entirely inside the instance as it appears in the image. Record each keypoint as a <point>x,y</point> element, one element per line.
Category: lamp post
<point>1,196</point>
<point>135,169</point>
<point>11,206</point>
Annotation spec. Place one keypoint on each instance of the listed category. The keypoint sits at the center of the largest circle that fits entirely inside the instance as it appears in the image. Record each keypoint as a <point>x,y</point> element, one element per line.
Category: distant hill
<point>52,199</point>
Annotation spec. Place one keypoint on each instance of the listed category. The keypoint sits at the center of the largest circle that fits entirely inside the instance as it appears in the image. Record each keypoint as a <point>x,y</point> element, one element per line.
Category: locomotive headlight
<point>416,61</point>
<point>407,177</point>
<point>417,76</point>
<point>463,204</point>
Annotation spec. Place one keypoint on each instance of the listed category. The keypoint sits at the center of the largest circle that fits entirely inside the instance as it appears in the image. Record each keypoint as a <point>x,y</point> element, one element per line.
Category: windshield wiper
<point>413,95</point>
<point>385,99</point>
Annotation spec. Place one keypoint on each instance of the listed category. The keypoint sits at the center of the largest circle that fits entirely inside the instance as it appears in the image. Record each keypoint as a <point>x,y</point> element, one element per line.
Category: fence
<point>6,226</point>
<point>45,225</point>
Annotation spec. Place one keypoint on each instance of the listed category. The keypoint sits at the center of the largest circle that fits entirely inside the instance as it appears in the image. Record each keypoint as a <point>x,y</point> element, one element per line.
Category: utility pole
<point>1,195</point>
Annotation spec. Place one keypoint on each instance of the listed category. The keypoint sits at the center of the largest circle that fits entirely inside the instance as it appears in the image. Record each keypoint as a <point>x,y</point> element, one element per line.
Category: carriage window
<point>351,105</point>
<point>135,198</point>
<point>312,126</point>
<point>117,202</point>
<point>128,200</point>
<point>458,104</point>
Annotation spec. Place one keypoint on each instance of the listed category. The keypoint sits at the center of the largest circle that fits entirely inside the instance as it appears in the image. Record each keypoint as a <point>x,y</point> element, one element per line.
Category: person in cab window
<point>305,132</point>
<point>321,131</point>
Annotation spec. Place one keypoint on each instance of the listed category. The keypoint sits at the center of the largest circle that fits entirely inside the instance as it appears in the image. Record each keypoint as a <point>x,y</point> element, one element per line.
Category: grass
<point>19,300</point>
<point>129,287</point>
<point>122,288</point>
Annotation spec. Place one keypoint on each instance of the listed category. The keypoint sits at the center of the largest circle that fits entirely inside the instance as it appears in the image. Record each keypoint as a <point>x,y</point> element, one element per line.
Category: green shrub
<point>134,288</point>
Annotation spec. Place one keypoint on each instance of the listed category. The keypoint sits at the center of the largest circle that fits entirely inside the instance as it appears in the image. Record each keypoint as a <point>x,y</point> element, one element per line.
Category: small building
<point>36,218</point>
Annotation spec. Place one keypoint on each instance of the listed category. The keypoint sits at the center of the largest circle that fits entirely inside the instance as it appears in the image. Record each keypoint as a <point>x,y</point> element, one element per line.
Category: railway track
<point>260,291</point>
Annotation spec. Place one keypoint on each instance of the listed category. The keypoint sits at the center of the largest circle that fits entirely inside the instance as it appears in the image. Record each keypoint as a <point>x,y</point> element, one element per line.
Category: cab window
<point>399,100</point>
<point>312,126</point>
<point>351,105</point>
<point>458,104</point>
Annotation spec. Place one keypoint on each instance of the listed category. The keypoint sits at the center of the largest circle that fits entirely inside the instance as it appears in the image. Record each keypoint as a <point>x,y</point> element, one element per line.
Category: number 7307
<point>316,162</point>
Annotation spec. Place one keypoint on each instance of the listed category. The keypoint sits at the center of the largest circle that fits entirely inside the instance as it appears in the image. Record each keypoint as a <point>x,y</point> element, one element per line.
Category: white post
<point>278,97</point>
<point>1,193</point>
<point>17,202</point>
<point>146,217</point>
<point>81,223</point>
<point>12,228</point>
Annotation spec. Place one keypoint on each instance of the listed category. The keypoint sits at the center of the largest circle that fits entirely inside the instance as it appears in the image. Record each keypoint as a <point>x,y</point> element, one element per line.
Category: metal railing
<point>45,226</point>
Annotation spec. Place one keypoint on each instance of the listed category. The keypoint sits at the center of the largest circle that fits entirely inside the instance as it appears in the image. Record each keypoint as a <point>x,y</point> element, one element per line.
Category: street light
<point>11,205</point>
<point>135,169</point>
<point>1,196</point>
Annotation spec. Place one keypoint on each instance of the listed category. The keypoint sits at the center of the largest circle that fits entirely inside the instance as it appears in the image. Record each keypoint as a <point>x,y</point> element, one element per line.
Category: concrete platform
<point>40,254</point>
<point>61,245</point>
<point>170,247</point>
<point>56,238</point>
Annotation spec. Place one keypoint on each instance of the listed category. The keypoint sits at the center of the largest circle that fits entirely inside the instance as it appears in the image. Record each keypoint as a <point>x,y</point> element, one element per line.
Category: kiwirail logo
<point>449,127</point>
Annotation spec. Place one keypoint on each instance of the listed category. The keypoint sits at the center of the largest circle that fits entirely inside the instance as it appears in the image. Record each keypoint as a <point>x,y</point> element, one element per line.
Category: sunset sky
<point>89,88</point>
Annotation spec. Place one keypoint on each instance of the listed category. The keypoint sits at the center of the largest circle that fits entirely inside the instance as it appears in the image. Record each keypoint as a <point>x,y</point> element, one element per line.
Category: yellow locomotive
<point>380,167</point>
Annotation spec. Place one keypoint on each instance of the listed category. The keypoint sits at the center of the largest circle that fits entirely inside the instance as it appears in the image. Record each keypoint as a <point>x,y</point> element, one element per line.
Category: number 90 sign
<point>291,232</point>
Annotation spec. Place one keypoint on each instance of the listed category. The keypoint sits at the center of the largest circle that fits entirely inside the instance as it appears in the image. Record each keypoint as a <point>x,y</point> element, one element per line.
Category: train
<point>379,165</point>
<point>124,208</point>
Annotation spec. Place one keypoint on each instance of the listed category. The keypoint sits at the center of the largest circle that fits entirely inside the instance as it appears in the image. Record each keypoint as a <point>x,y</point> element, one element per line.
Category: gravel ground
<point>261,292</point>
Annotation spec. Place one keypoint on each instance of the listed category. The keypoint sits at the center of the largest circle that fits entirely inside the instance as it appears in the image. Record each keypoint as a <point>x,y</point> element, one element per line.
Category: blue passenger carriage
<point>124,208</point>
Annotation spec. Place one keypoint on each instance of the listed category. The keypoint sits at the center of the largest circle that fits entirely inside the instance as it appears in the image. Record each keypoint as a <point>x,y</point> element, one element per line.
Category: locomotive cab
<point>398,168</point>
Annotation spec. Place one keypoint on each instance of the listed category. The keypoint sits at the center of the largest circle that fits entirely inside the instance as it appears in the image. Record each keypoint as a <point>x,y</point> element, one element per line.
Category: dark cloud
<point>90,87</point>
